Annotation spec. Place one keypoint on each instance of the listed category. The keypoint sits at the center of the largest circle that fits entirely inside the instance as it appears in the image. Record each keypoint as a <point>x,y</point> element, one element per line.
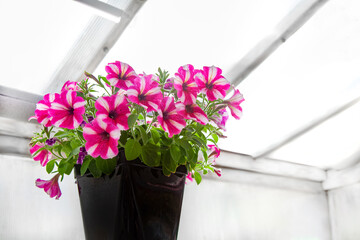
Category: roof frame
<point>91,47</point>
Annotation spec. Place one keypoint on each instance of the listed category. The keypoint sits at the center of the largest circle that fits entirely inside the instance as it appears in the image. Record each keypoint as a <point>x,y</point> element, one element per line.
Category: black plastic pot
<point>136,202</point>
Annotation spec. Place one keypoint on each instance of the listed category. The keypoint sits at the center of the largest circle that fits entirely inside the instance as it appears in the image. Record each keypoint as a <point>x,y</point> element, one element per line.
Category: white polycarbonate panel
<point>36,36</point>
<point>333,144</point>
<point>169,34</point>
<point>313,73</point>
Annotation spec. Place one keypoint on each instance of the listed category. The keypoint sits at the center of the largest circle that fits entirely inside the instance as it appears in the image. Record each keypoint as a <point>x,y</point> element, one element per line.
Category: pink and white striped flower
<point>185,84</point>
<point>42,110</point>
<point>146,92</point>
<point>51,186</point>
<point>120,75</point>
<point>234,104</point>
<point>189,178</point>
<point>192,111</point>
<point>43,155</point>
<point>214,151</point>
<point>70,86</point>
<point>169,118</point>
<point>67,110</point>
<point>211,82</point>
<point>221,120</point>
<point>113,110</point>
<point>101,139</point>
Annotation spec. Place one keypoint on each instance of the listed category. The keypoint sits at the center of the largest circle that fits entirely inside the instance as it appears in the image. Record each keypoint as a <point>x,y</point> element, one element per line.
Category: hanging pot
<point>135,202</point>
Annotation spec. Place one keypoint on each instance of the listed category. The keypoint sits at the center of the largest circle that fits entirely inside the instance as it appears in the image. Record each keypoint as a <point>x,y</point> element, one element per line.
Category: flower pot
<point>135,202</point>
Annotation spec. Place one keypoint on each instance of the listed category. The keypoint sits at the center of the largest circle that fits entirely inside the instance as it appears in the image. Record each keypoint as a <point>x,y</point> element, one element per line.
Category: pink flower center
<point>71,111</point>
<point>184,86</point>
<point>189,108</point>
<point>165,115</point>
<point>112,114</point>
<point>142,97</point>
<point>209,85</point>
<point>105,136</point>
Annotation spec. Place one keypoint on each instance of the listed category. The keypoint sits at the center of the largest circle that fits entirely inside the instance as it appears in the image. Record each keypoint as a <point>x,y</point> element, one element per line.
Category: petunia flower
<point>146,92</point>
<point>211,82</point>
<point>169,118</point>
<point>120,75</point>
<point>113,110</point>
<point>51,186</point>
<point>221,120</point>
<point>101,139</point>
<point>42,110</point>
<point>192,111</point>
<point>43,155</point>
<point>70,86</point>
<point>169,84</point>
<point>185,84</point>
<point>81,156</point>
<point>234,104</point>
<point>189,177</point>
<point>67,110</point>
<point>215,151</point>
<point>217,171</point>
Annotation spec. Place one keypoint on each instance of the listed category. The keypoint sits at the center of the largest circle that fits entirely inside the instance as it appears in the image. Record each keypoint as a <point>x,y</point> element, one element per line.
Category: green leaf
<point>107,166</point>
<point>50,166</point>
<point>151,155</point>
<point>104,79</point>
<point>175,152</point>
<point>94,170</point>
<point>185,144</point>
<point>155,135</point>
<point>143,134</point>
<point>66,148</point>
<point>165,171</point>
<point>132,149</point>
<point>123,137</point>
<point>85,166</point>
<point>168,162</point>
<point>197,177</point>
<point>215,137</point>
<point>75,143</point>
<point>132,119</point>
<point>166,140</point>
<point>61,134</point>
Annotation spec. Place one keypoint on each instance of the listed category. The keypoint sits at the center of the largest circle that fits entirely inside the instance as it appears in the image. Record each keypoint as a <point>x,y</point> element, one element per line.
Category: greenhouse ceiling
<point>295,61</point>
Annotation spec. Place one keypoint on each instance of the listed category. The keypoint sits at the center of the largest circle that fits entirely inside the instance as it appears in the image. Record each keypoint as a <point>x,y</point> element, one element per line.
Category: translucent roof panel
<point>334,144</point>
<point>36,36</point>
<point>169,34</point>
<point>315,72</point>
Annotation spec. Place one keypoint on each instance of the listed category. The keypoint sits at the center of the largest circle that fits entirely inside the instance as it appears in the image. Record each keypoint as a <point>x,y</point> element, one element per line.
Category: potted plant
<point>133,139</point>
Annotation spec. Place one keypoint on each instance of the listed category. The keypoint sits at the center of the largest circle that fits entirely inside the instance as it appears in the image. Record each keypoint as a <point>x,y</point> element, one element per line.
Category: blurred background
<point>290,165</point>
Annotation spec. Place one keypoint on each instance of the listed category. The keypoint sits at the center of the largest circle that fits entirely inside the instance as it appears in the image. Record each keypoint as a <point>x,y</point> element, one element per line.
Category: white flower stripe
<point>110,153</point>
<point>153,91</point>
<point>60,121</point>
<point>92,149</point>
<point>176,124</point>
<point>89,131</point>
<point>104,103</point>
<point>115,133</point>
<point>69,97</point>
<point>217,94</point>
<point>132,92</point>
<point>58,106</point>
<point>153,105</point>
<point>79,104</point>
<point>42,107</point>
<point>200,116</point>
<point>102,124</point>
<point>114,68</point>
<point>119,99</point>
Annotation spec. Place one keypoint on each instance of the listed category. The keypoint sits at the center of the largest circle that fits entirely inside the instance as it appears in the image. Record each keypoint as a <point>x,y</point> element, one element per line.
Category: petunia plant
<point>163,121</point>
